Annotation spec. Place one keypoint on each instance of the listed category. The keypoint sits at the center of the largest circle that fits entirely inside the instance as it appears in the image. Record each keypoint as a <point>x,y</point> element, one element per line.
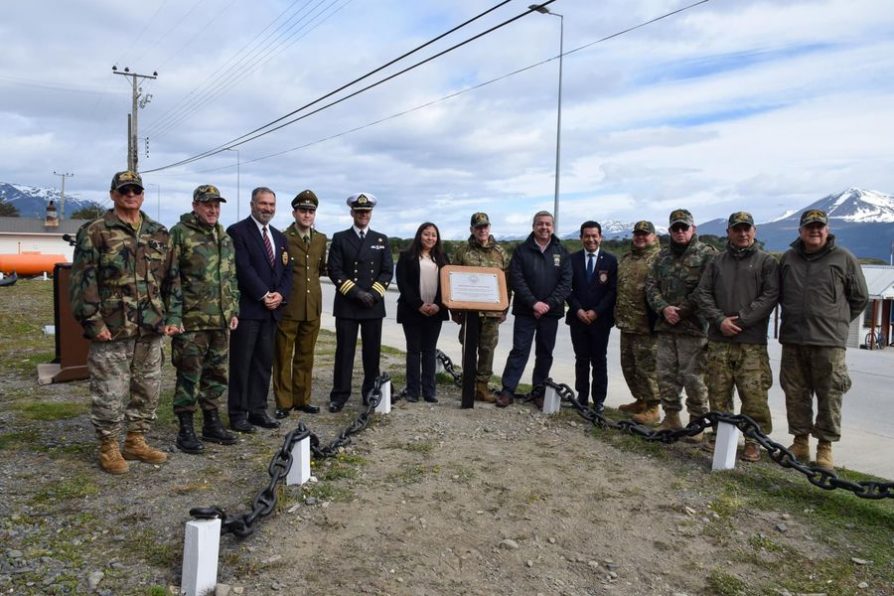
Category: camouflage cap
<point>306,199</point>
<point>644,226</point>
<point>739,218</point>
<point>814,216</point>
<point>681,216</point>
<point>479,219</point>
<point>126,178</point>
<point>362,201</point>
<point>207,193</point>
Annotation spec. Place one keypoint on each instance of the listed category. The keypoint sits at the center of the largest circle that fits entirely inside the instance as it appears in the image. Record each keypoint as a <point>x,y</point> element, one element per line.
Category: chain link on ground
<point>825,479</point>
<point>450,368</point>
<point>264,503</point>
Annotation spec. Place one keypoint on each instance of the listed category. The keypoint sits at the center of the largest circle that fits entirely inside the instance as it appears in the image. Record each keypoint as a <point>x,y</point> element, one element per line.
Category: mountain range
<point>31,201</point>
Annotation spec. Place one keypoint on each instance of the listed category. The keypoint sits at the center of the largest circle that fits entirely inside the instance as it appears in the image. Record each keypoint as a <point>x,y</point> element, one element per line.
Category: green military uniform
<point>297,331</point>
<point>491,255</point>
<point>203,259</point>
<point>120,281</point>
<point>681,348</point>
<point>632,317</point>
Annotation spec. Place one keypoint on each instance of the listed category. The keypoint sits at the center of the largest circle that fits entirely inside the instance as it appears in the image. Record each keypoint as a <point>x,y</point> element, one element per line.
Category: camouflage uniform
<point>681,347</point>
<point>203,259</point>
<point>633,318</point>
<point>472,254</point>
<point>120,281</point>
<point>741,283</point>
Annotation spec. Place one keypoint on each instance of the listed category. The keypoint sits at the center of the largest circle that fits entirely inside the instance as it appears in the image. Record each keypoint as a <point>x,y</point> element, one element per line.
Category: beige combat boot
<point>110,459</point>
<point>671,421</point>
<point>801,448</point>
<point>483,393</point>
<point>649,416</point>
<point>634,407</point>
<point>824,456</point>
<point>135,447</point>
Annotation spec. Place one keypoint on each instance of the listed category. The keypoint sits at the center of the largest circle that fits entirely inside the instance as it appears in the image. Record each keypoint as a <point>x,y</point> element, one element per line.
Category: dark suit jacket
<point>598,294</point>
<point>355,266</point>
<point>408,284</point>
<point>256,276</point>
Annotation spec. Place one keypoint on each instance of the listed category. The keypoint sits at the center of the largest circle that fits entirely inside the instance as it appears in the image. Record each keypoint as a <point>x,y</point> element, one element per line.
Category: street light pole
<point>545,10</point>
<point>238,162</point>
<point>157,200</point>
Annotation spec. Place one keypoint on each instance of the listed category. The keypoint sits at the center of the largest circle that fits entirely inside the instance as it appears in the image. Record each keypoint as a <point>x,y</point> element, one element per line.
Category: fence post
<point>200,554</point>
<point>384,406</point>
<point>551,400</point>
<point>725,447</point>
<point>299,473</point>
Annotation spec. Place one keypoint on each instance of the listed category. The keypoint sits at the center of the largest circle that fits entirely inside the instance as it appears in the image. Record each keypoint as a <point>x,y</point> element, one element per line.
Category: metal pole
<point>64,175</point>
<point>559,121</point>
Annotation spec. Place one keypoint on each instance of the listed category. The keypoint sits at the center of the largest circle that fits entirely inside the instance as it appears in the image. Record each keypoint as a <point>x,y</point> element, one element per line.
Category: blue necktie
<point>591,266</point>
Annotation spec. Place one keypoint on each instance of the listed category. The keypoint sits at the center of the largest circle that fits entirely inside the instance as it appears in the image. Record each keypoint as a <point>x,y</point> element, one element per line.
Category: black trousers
<point>526,330</point>
<point>346,347</point>
<point>251,363</point>
<point>590,346</point>
<point>422,345</point>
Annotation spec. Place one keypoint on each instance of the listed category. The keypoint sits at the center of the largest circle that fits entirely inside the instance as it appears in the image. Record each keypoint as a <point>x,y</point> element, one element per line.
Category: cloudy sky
<point>731,104</point>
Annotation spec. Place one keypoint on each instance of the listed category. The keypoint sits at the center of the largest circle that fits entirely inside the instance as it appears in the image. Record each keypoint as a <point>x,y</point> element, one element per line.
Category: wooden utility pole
<point>132,151</point>
<point>62,198</point>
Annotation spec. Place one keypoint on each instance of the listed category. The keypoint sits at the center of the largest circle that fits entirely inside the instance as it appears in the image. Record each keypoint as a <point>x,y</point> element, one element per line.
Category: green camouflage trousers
<point>681,364</point>
<point>745,368</point>
<point>488,335</point>
<point>200,358</point>
<point>814,370</point>
<point>638,365</point>
<point>125,369</point>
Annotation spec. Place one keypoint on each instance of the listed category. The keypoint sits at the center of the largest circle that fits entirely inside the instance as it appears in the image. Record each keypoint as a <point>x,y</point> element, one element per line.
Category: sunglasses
<point>130,190</point>
<point>679,228</point>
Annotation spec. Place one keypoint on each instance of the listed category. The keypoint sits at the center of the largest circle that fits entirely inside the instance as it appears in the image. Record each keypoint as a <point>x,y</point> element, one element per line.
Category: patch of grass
<point>726,505</point>
<point>392,351</point>
<point>760,542</point>
<point>411,474</point>
<point>19,439</point>
<point>724,584</point>
<point>156,590</point>
<point>45,411</point>
<point>150,547</point>
<point>22,363</point>
<point>63,489</point>
<point>327,491</point>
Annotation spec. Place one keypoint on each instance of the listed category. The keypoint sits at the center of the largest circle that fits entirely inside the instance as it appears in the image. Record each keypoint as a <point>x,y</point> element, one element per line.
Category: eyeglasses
<point>130,190</point>
<point>679,228</point>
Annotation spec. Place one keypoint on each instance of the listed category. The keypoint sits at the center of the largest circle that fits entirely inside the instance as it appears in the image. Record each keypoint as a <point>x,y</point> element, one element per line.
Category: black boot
<point>214,431</point>
<point>187,441</point>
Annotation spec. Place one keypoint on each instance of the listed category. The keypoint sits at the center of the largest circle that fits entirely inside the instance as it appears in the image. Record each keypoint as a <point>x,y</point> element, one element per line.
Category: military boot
<point>135,447</point>
<point>801,448</point>
<point>483,393</point>
<point>824,456</point>
<point>187,441</point>
<point>671,421</point>
<point>214,431</point>
<point>634,407</point>
<point>110,459</point>
<point>649,416</point>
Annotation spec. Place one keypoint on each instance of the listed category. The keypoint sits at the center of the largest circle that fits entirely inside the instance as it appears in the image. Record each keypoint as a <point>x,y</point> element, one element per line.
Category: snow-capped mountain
<point>857,206</point>
<point>31,201</point>
<point>613,229</point>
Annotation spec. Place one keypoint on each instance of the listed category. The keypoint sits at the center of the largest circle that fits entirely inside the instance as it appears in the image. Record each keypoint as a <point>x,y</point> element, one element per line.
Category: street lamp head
<point>539,8</point>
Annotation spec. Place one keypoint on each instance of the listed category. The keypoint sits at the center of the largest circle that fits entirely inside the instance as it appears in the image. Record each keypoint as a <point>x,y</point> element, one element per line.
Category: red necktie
<point>268,246</point>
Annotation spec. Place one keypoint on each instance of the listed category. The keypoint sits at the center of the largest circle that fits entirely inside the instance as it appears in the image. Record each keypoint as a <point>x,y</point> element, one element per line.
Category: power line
<point>455,93</point>
<point>247,137</point>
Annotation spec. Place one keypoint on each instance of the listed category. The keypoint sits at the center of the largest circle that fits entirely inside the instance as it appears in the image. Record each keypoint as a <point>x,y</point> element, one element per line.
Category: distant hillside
<point>31,201</point>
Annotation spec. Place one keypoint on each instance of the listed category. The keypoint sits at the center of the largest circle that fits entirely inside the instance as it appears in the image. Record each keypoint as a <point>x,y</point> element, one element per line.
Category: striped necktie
<point>269,247</point>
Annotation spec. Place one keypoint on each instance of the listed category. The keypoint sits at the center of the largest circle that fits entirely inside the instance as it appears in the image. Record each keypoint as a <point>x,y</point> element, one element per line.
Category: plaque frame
<point>463,305</point>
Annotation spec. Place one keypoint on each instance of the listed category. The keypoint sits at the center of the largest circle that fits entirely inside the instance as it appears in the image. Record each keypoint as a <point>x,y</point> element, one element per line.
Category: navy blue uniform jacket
<point>255,275</point>
<point>599,294</point>
<point>356,265</point>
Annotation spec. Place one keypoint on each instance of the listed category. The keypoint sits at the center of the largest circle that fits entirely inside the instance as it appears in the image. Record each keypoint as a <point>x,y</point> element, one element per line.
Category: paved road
<point>868,428</point>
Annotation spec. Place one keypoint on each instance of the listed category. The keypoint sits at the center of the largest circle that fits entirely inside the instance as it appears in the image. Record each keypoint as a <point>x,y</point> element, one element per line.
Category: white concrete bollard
<point>384,406</point>
<point>725,447</point>
<point>45,277</point>
<point>200,553</point>
<point>299,473</point>
<point>551,401</point>
<point>439,366</point>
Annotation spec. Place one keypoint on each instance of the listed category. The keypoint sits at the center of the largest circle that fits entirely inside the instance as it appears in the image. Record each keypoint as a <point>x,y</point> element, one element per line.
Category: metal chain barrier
<point>450,368</point>
<point>264,502</point>
<point>825,479</point>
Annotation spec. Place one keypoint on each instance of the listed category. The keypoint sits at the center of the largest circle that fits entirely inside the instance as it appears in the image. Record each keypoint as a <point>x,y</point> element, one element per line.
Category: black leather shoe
<point>335,408</point>
<point>263,420</point>
<point>242,426</point>
<point>308,409</point>
<point>279,414</point>
<point>599,408</point>
<point>412,399</point>
<point>431,400</point>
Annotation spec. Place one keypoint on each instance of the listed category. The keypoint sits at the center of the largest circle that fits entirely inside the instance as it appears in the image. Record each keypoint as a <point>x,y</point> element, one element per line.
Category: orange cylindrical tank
<point>30,263</point>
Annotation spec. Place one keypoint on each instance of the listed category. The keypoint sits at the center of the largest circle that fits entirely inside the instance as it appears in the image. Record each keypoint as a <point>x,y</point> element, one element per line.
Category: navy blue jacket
<point>599,294</point>
<point>253,271</point>
<point>537,276</point>
<point>359,265</point>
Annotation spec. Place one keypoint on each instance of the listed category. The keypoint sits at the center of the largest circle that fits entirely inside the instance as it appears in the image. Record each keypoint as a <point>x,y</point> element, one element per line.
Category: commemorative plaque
<point>474,288</point>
